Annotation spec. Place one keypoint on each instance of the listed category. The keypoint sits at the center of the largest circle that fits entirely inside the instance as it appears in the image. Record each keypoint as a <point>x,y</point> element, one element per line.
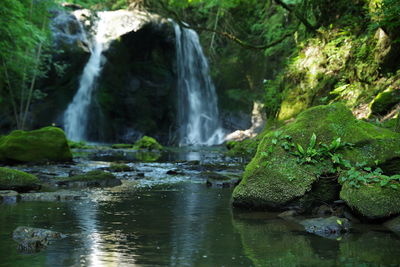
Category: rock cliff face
<point>135,91</point>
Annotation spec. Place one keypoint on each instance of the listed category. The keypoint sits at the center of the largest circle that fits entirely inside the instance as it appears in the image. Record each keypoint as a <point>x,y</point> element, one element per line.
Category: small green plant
<point>355,174</point>
<point>361,174</point>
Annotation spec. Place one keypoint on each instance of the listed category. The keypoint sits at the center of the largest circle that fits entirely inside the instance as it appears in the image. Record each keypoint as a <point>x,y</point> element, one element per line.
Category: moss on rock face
<point>46,144</point>
<point>89,176</point>
<point>148,143</point>
<point>11,179</point>
<point>372,200</point>
<point>384,101</point>
<point>274,178</point>
<point>246,148</point>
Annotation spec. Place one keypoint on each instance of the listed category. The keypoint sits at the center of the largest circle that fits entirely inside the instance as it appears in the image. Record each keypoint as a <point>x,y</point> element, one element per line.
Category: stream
<point>156,219</point>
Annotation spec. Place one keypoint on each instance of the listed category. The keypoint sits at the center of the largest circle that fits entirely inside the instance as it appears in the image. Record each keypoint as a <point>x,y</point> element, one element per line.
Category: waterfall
<point>197,101</point>
<point>109,26</point>
<point>76,114</point>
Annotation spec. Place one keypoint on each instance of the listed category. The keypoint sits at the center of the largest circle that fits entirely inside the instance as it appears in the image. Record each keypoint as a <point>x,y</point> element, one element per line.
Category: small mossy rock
<point>20,181</point>
<point>274,180</point>
<point>121,146</point>
<point>148,143</point>
<point>385,101</point>
<point>45,144</point>
<point>119,167</point>
<point>96,178</point>
<point>372,201</point>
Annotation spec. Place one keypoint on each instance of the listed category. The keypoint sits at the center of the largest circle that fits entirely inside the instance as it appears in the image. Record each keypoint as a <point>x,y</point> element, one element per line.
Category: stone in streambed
<point>20,181</point>
<point>96,178</point>
<point>53,196</point>
<point>32,240</point>
<point>330,227</point>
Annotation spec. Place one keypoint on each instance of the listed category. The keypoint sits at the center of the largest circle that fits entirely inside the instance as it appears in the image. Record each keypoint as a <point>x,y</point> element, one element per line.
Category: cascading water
<point>109,26</point>
<point>198,109</point>
<point>76,115</point>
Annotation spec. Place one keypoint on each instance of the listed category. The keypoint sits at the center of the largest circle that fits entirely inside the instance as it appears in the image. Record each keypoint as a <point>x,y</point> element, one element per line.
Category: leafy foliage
<point>355,174</point>
<point>24,38</point>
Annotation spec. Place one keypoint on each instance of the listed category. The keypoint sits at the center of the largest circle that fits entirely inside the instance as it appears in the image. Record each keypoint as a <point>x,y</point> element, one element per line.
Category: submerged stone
<point>330,227</point>
<point>32,240</point>
<point>43,145</point>
<point>53,196</point>
<point>20,181</point>
<point>274,179</point>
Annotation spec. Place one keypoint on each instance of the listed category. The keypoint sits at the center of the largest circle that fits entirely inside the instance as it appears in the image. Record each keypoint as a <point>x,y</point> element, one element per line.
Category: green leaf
<point>300,149</point>
<point>313,140</point>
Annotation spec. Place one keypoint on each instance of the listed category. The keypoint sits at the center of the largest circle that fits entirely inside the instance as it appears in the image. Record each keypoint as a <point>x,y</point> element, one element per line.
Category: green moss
<point>246,148</point>
<point>148,143</point>
<point>78,145</point>
<point>384,101</point>
<point>119,167</point>
<point>372,200</point>
<point>274,178</point>
<point>46,144</point>
<point>10,178</point>
<point>121,146</point>
<point>89,176</point>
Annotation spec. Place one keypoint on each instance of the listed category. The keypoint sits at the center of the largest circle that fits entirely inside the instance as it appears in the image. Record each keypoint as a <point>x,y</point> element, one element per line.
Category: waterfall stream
<point>76,115</point>
<point>197,101</point>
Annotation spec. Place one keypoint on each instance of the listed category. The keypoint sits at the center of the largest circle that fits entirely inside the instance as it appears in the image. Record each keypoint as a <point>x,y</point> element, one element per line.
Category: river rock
<point>8,196</point>
<point>20,181</point>
<point>275,180</point>
<point>96,178</point>
<point>330,227</point>
<point>43,145</point>
<point>32,240</point>
<point>53,196</point>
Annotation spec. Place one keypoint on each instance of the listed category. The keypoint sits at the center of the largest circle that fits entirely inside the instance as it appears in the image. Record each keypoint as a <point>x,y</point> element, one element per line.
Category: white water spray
<point>198,106</point>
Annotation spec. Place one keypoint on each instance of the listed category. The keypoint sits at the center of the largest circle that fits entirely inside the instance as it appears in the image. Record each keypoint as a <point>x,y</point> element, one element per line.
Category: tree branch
<point>298,15</point>
<point>228,35</point>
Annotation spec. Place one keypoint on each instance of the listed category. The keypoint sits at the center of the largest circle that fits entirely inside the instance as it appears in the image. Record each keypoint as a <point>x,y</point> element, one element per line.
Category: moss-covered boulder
<point>372,200</point>
<point>20,181</point>
<point>43,145</point>
<point>148,143</point>
<point>275,179</point>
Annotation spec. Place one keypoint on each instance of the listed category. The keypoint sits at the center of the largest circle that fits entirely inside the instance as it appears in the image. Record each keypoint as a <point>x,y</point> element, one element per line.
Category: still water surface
<point>178,221</point>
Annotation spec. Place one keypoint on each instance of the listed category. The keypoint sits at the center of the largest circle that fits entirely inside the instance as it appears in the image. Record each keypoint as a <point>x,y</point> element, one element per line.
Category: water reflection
<point>180,224</point>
